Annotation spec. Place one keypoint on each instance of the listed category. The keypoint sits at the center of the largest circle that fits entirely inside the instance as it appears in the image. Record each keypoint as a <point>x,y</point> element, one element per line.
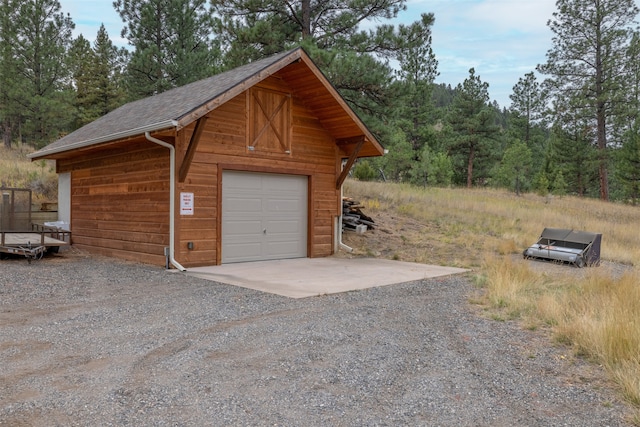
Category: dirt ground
<point>402,238</point>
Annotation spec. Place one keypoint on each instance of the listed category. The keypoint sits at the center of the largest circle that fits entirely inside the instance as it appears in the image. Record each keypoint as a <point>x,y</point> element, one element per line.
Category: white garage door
<point>264,216</point>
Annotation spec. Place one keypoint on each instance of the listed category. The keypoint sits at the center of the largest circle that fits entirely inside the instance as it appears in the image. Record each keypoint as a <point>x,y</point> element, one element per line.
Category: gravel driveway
<point>93,341</point>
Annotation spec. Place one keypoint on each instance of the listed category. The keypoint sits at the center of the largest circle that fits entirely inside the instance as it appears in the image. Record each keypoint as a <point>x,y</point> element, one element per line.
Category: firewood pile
<point>353,219</point>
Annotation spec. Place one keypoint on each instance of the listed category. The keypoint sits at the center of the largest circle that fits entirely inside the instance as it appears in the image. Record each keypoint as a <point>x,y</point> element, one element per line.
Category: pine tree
<point>81,59</point>
<point>587,57</point>
<point>252,29</point>
<point>628,165</point>
<point>515,167</point>
<point>330,32</point>
<point>627,109</point>
<point>527,104</point>
<point>541,183</point>
<point>574,155</point>
<point>363,171</point>
<point>43,36</point>
<point>97,75</point>
<point>432,168</point>
<point>171,41</point>
<point>559,186</point>
<point>473,124</point>
<point>417,71</point>
<point>440,170</point>
<point>398,162</point>
<point>108,69</point>
<point>9,115</point>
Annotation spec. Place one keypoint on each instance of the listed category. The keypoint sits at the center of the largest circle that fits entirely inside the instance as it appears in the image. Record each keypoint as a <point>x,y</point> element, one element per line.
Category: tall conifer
<point>585,63</point>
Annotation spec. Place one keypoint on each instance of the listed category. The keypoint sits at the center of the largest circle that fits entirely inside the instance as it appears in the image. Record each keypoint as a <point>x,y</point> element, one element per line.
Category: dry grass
<point>487,222</point>
<point>600,317</point>
<point>596,311</point>
<point>17,171</point>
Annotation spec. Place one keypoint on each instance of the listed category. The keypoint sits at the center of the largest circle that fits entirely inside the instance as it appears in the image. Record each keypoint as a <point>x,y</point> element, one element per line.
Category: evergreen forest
<point>573,125</point>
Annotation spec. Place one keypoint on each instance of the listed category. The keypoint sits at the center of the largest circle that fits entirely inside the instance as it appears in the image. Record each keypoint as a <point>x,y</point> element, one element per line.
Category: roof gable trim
<point>106,138</point>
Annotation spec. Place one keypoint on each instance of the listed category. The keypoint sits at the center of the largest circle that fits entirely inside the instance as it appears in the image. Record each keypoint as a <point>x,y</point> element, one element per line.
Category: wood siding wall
<point>120,201</point>
<point>224,145</point>
<point>120,195</point>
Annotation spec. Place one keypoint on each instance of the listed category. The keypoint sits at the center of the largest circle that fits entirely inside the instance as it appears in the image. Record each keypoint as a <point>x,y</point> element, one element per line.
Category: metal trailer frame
<point>580,248</point>
<point>34,243</point>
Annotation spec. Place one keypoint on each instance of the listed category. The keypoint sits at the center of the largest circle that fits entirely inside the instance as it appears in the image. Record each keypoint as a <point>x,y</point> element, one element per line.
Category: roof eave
<point>45,153</point>
<point>378,150</point>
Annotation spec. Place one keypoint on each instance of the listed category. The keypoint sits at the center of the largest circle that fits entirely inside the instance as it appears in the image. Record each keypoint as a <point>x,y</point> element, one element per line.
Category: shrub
<point>363,171</point>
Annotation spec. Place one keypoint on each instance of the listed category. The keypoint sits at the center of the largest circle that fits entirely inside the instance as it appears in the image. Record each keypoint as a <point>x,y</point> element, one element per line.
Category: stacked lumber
<point>353,219</point>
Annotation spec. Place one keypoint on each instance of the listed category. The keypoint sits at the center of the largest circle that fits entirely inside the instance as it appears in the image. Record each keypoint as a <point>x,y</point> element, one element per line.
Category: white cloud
<point>88,15</point>
<point>501,39</point>
<point>503,16</point>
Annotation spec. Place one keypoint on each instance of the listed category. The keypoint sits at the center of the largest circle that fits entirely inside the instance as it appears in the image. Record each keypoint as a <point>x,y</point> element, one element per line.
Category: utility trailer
<point>33,244</point>
<point>580,248</point>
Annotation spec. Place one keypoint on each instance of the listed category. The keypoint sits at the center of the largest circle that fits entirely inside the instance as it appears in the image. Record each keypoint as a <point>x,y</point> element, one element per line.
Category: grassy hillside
<point>595,311</point>
<point>17,171</point>
<point>463,227</point>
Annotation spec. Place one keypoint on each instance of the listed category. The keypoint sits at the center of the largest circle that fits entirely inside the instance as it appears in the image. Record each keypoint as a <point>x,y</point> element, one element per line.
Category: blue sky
<point>502,39</point>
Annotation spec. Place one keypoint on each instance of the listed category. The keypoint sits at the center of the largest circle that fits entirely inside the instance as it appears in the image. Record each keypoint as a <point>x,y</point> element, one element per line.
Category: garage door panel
<point>284,183</point>
<point>284,237</point>
<point>283,250</point>
<point>284,227</point>
<point>243,251</point>
<point>241,228</point>
<point>239,182</point>
<point>284,206</point>
<point>264,216</point>
<point>243,205</point>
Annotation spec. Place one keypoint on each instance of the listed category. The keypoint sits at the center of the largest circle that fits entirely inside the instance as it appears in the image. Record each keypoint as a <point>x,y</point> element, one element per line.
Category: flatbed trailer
<point>33,244</point>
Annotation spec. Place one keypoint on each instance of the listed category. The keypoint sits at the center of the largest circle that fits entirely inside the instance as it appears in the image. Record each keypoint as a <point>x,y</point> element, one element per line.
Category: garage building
<point>246,165</point>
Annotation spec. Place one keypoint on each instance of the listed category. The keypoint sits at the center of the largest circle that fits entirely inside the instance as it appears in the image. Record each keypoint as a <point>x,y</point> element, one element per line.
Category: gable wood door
<point>264,216</point>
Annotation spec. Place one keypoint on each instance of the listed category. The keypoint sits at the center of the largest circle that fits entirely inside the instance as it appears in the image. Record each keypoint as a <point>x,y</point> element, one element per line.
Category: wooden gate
<point>15,210</point>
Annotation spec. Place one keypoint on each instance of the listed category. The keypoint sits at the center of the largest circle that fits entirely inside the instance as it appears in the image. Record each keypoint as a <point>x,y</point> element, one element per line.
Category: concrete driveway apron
<point>306,277</point>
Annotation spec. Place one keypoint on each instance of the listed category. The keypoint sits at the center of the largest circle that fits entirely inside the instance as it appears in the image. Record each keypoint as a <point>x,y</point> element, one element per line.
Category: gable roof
<point>178,107</point>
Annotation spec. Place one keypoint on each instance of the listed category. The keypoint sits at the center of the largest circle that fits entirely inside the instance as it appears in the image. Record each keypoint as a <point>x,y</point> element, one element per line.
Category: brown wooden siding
<point>120,201</point>
<point>223,145</point>
<point>120,193</point>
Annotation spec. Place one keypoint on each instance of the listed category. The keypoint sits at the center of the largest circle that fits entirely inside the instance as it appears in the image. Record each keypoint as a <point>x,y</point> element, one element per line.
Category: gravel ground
<point>93,341</point>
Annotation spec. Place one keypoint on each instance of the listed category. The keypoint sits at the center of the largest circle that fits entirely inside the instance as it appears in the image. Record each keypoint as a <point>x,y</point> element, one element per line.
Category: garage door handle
<point>264,231</point>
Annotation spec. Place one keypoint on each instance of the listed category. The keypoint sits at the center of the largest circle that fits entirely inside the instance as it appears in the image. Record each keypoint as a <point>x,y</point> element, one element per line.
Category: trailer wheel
<point>580,262</point>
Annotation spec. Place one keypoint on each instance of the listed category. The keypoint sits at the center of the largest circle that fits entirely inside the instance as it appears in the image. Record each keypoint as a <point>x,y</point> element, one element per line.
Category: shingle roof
<point>178,107</point>
<point>159,111</point>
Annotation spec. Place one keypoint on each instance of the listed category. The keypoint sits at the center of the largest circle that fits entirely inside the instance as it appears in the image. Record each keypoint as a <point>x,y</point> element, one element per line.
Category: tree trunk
<point>472,154</point>
<point>601,117</point>
<point>6,133</point>
<point>527,134</point>
<point>603,170</point>
<point>306,18</point>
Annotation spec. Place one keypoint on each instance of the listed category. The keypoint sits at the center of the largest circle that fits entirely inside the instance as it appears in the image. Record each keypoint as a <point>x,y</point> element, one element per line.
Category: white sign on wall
<point>186,203</point>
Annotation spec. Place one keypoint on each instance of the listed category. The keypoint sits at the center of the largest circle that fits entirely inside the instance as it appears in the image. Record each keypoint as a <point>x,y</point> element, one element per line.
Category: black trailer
<point>580,248</point>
